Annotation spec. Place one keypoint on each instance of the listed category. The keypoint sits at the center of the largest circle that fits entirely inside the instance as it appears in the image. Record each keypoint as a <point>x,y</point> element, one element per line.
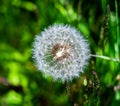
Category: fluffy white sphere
<point>61,51</point>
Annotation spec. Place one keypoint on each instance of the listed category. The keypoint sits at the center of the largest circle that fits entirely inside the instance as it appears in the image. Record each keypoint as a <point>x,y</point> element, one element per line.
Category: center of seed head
<point>60,51</point>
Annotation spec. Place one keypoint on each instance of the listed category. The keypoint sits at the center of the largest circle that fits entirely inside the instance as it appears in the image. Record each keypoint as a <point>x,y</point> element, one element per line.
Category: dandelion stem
<point>68,89</point>
<point>105,57</point>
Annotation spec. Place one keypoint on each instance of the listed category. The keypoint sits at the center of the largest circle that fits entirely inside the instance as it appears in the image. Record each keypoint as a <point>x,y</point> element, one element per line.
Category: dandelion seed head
<point>61,51</point>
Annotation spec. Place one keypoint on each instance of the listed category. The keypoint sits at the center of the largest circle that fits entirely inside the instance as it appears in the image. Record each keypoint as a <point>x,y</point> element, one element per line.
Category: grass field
<point>21,84</point>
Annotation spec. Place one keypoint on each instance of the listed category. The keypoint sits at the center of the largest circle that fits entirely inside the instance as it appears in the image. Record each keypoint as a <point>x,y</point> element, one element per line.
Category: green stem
<point>105,57</point>
<point>117,30</point>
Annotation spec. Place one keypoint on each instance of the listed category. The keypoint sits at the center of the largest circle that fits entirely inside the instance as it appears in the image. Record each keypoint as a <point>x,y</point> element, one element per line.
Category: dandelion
<point>61,51</point>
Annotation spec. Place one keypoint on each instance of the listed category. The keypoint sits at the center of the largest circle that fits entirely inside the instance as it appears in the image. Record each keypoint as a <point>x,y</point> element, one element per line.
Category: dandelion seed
<point>61,52</point>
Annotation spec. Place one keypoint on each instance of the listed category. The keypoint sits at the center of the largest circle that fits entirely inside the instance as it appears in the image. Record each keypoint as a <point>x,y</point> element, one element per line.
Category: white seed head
<point>61,52</point>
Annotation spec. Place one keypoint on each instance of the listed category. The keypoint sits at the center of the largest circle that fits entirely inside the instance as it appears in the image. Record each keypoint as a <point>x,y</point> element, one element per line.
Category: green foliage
<point>20,82</point>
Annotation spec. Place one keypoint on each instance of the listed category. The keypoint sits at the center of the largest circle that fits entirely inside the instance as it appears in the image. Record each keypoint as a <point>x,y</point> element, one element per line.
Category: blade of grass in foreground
<point>117,32</point>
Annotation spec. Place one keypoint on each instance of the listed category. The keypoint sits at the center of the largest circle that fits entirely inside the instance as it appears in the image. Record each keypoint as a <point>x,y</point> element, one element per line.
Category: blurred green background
<point>20,82</point>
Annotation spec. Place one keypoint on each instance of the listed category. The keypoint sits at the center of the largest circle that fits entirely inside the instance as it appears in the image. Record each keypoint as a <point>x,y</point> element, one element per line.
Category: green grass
<point>21,20</point>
